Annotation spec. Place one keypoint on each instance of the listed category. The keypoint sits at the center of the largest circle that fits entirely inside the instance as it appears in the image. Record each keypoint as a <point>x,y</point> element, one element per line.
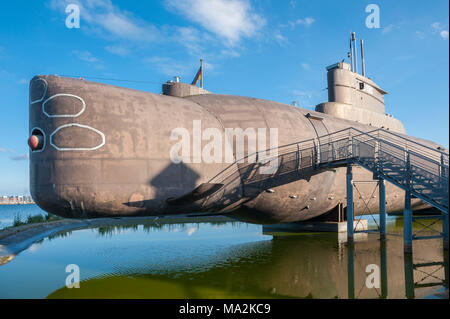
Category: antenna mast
<point>201,68</point>
<point>350,54</point>
<point>355,54</point>
<point>363,66</point>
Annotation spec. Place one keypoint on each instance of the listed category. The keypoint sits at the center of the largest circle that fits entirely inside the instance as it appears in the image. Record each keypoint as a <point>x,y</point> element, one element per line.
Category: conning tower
<point>355,97</point>
<point>179,89</point>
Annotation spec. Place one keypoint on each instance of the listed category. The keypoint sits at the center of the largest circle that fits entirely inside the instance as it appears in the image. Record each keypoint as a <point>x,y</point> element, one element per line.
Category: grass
<point>34,219</point>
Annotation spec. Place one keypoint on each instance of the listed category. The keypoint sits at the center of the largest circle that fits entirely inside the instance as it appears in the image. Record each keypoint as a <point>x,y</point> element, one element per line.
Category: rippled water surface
<point>221,260</point>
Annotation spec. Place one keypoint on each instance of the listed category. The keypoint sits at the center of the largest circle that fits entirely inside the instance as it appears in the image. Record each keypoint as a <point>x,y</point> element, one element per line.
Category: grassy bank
<point>34,219</point>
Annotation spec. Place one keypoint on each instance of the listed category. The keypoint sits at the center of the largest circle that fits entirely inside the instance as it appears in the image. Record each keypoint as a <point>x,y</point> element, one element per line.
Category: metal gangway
<point>420,170</point>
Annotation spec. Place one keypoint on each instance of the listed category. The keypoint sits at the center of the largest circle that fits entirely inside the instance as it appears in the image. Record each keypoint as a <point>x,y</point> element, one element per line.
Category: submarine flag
<point>199,75</point>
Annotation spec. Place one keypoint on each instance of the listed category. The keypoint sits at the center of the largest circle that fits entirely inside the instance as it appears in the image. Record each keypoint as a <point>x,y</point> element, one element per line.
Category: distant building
<point>15,199</point>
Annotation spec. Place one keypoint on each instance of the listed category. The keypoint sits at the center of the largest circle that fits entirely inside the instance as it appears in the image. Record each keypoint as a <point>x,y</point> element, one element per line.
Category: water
<point>224,260</point>
<point>10,212</point>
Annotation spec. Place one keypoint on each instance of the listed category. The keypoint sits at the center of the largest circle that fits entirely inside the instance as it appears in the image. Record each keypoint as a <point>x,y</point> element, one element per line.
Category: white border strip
<point>64,115</point>
<point>77,149</point>
<point>45,90</point>
<point>45,139</point>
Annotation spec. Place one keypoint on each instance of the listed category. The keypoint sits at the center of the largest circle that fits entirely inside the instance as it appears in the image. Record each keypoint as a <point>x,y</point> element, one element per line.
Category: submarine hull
<point>107,151</point>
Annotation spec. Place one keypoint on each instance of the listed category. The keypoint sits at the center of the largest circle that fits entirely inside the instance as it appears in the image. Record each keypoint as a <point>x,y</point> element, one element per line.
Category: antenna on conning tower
<point>350,54</point>
<point>355,54</point>
<point>363,66</point>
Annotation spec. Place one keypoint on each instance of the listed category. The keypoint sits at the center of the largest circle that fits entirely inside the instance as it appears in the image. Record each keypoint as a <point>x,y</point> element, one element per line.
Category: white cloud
<point>420,35</point>
<point>126,27</point>
<point>438,28</point>
<point>230,53</point>
<point>302,93</point>
<point>306,66</point>
<point>22,157</point>
<point>22,81</point>
<point>104,17</point>
<point>4,150</point>
<point>117,50</point>
<point>191,38</point>
<point>231,20</point>
<point>168,66</point>
<point>281,39</point>
<point>209,66</point>
<point>390,28</point>
<point>307,22</point>
<point>305,98</point>
<point>6,74</point>
<point>85,56</point>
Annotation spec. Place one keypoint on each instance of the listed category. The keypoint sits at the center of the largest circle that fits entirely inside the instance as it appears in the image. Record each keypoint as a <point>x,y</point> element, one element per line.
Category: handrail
<point>417,145</point>
<point>349,130</point>
<point>415,153</point>
<point>341,145</point>
<point>415,142</point>
<point>434,152</point>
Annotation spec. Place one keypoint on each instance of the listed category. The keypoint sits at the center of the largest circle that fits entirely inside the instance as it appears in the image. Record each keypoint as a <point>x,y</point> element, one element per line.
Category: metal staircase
<point>414,167</point>
<point>422,171</point>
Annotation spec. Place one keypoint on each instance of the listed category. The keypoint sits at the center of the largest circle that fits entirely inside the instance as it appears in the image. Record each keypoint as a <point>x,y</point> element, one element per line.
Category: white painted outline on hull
<point>74,148</point>
<point>45,90</point>
<point>64,115</point>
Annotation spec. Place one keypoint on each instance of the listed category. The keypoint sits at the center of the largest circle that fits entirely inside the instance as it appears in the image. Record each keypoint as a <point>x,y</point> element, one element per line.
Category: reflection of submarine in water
<point>98,150</point>
<point>313,266</point>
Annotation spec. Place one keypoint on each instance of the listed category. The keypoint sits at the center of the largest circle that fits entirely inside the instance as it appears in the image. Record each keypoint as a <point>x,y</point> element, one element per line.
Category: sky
<point>269,49</point>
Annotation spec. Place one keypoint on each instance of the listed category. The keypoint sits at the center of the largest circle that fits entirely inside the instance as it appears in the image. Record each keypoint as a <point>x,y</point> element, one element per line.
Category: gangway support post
<point>384,280</point>
<point>407,224</point>
<point>444,182</point>
<point>350,214</point>
<point>382,196</point>
<point>351,270</point>
<point>445,229</point>
<point>407,211</point>
<point>409,275</point>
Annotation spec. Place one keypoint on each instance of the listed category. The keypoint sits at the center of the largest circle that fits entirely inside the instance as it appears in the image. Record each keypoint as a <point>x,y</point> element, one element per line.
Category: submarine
<point>99,150</point>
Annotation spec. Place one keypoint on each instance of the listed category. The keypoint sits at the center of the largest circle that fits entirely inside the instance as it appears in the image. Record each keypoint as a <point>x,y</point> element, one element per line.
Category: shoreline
<point>17,239</point>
